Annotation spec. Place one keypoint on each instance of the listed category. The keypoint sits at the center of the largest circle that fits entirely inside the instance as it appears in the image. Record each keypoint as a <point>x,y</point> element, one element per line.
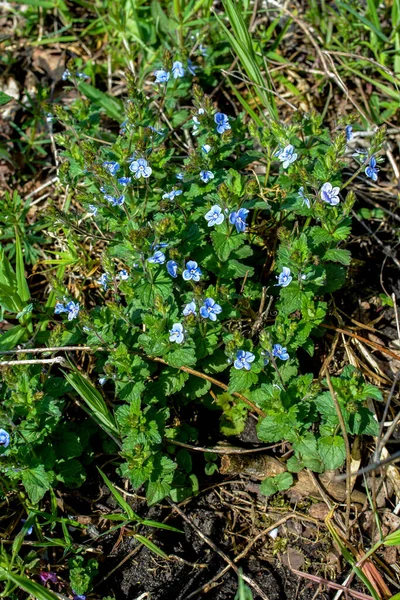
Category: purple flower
<point>4,438</point>
<point>302,195</point>
<point>79,597</point>
<point>280,352</point>
<point>372,170</point>
<point>239,219</point>
<point>115,201</point>
<point>206,176</point>
<point>46,576</point>
<point>192,271</point>
<point>222,122</point>
<point>210,309</point>
<point>286,155</point>
<point>190,309</point>
<point>285,277</point>
<point>178,70</point>
<point>215,216</point>
<point>176,333</point>
<point>349,132</point>
<point>111,166</point>
<point>161,76</point>
<point>330,194</point>
<point>172,268</point>
<point>72,309</point>
<point>158,258</point>
<point>140,168</point>
<point>172,194</point>
<point>243,360</point>
<point>124,180</point>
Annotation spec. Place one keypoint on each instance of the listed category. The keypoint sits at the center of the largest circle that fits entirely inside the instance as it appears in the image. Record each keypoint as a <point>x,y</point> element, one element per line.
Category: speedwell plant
<point>221,244</point>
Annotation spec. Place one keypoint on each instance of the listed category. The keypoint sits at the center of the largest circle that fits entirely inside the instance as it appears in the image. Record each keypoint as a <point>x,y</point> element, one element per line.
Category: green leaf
<point>224,243</point>
<point>338,255</point>
<point>36,482</point>
<point>30,587</point>
<point>151,546</point>
<point>393,539</point>
<point>181,357</point>
<point>235,269</point>
<point>9,299</point>
<point>240,380</point>
<point>128,510</point>
<point>268,487</point>
<point>332,450</point>
<point>278,426</point>
<point>279,483</point>
<point>10,338</point>
<point>5,98</point>
<point>114,108</point>
<point>22,285</point>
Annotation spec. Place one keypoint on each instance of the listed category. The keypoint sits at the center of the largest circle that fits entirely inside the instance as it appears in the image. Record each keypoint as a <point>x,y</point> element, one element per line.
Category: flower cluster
<point>72,308</point>
<point>286,155</point>
<point>177,71</point>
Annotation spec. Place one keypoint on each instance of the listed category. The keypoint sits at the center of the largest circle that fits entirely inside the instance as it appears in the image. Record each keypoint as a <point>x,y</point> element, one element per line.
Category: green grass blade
<point>130,513</point>
<point>94,401</point>
<point>157,525</point>
<point>30,587</point>
<point>143,540</point>
<point>363,20</point>
<point>114,108</point>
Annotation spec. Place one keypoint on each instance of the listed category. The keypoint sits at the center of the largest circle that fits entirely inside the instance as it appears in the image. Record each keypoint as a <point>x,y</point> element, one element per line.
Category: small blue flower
<point>286,155</point>
<point>66,75</point>
<point>82,75</point>
<point>59,308</point>
<point>210,309</point>
<point>192,271</point>
<point>124,180</point>
<point>155,246</point>
<point>206,176</point>
<point>222,122</point>
<point>178,70</point>
<point>103,281</point>
<point>180,176</point>
<point>302,195</point>
<point>243,360</point>
<point>158,258</point>
<point>30,529</point>
<point>239,219</point>
<point>161,76</point>
<point>157,131</point>
<point>280,352</point>
<point>123,275</point>
<point>172,268</point>
<point>49,118</point>
<point>111,166</point>
<point>115,201</point>
<point>123,127</point>
<point>349,132</point>
<point>285,277</point>
<point>176,333</point>
<point>330,194</point>
<point>266,356</point>
<point>203,50</point>
<point>215,216</point>
<point>79,597</point>
<point>191,67</point>
<point>140,168</point>
<point>72,309</point>
<point>206,148</point>
<point>171,195</point>
<point>372,170</point>
<point>93,209</point>
<point>102,380</point>
<point>4,438</point>
<point>190,309</point>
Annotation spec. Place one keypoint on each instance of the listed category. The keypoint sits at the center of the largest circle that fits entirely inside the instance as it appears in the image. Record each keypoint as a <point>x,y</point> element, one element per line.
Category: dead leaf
<point>46,60</point>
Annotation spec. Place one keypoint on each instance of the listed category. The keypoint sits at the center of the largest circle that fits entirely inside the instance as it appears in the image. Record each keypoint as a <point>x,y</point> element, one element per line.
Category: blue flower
<point>102,380</point>
<point>330,194</point>
<point>123,275</point>
<point>239,219</point>
<point>286,155</point>
<point>157,131</point>
<point>111,166</point>
<point>178,70</point>
<point>206,148</point>
<point>192,271</point>
<point>285,277</point>
<point>66,75</point>
<point>191,67</point>
<point>155,246</point>
<point>302,195</point>
<point>176,333</point>
<point>171,195</point>
<point>140,168</point>
<point>180,176</point>
<point>161,76</point>
<point>210,309</point>
<point>158,258</point>
<point>266,355</point>
<point>124,180</point>
<point>280,352</point>
<point>372,170</point>
<point>72,309</point>
<point>79,597</point>
<point>190,309</point>
<point>215,216</point>
<point>4,438</point>
<point>172,268</point>
<point>103,281</point>
<point>82,75</point>
<point>59,308</point>
<point>29,530</point>
<point>222,122</point>
<point>203,50</point>
<point>115,201</point>
<point>243,360</point>
<point>93,209</point>
<point>349,132</point>
<point>206,176</point>
<point>49,118</point>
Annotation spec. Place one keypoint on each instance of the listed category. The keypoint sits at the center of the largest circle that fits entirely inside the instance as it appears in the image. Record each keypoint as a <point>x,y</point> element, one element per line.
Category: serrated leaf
<point>240,380</point>
<point>338,255</point>
<point>224,244</point>
<point>332,450</point>
<point>181,357</point>
<point>36,482</point>
<point>235,269</point>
